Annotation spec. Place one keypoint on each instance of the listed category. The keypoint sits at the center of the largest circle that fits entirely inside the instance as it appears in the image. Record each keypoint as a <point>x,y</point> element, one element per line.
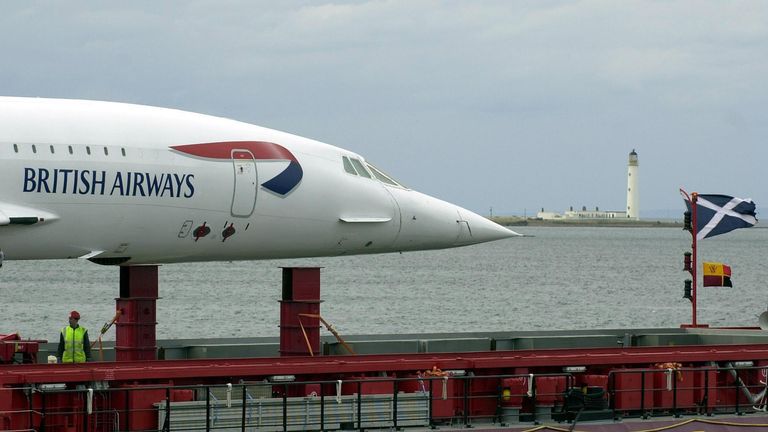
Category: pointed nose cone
<point>477,229</point>
<point>429,223</point>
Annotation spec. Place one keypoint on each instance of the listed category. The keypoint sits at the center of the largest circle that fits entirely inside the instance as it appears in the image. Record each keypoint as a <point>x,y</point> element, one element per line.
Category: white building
<point>549,215</point>
<point>595,214</point>
<point>581,214</point>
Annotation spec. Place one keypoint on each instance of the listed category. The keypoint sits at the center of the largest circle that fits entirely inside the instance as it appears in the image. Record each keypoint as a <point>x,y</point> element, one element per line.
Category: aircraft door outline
<point>245,183</point>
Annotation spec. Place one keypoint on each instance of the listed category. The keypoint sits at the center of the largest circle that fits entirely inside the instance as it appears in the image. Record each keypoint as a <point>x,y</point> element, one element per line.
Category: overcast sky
<point>514,105</point>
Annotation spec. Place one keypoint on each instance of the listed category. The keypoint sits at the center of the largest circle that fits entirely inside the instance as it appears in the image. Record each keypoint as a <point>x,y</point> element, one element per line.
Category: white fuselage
<point>130,184</point>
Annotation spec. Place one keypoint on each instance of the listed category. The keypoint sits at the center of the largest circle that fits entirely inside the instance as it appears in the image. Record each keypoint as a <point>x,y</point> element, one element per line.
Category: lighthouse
<point>633,198</point>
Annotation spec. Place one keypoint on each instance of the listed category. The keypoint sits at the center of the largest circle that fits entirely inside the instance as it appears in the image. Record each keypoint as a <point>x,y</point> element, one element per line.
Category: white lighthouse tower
<point>633,198</point>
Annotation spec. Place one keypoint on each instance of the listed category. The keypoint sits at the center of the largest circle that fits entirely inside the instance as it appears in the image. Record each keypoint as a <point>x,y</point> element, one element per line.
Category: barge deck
<point>619,379</point>
<point>690,378</point>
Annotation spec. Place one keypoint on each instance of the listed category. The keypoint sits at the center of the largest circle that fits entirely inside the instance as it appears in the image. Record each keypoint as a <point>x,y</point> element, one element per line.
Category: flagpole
<point>691,199</point>
<point>694,260</point>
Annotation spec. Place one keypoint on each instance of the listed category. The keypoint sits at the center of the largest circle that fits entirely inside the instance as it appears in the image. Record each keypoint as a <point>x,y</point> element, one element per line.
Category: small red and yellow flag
<point>717,274</point>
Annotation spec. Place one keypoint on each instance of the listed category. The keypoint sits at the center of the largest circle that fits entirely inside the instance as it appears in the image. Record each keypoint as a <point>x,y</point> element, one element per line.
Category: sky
<point>502,106</point>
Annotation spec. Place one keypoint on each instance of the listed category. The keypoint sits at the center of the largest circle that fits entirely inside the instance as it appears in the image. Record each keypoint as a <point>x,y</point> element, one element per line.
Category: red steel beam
<point>250,367</point>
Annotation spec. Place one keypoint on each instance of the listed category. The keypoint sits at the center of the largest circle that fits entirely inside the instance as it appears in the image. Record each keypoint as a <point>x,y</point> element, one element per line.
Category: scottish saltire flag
<point>717,274</point>
<point>719,214</point>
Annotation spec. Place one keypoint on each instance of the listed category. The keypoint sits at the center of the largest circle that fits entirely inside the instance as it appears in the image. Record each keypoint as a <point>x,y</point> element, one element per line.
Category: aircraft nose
<point>474,228</point>
<point>429,223</point>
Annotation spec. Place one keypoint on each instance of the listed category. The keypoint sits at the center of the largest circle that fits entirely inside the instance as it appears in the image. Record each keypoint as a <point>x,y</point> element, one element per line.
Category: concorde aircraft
<point>124,184</point>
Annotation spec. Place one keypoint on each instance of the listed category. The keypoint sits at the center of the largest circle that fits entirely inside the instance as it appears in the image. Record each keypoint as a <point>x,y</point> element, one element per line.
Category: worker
<point>74,346</point>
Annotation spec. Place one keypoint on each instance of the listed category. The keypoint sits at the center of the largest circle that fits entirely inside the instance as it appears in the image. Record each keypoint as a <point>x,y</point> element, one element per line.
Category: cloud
<point>543,93</point>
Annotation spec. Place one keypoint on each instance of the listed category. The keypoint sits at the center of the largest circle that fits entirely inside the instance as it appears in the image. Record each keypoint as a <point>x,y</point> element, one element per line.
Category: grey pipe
<point>753,399</point>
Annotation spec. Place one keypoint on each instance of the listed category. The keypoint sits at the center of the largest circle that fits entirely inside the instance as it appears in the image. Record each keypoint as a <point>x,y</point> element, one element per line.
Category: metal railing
<point>383,402</point>
<point>677,391</point>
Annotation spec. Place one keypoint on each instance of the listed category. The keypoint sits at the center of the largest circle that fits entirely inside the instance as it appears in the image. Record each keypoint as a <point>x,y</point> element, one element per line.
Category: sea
<point>553,278</point>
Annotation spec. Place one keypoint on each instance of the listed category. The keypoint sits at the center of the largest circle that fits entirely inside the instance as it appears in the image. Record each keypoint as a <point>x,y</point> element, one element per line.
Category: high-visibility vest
<point>73,345</point>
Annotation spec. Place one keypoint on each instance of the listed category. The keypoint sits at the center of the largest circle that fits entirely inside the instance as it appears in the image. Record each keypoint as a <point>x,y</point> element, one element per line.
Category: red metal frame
<point>301,298</point>
<point>135,332</point>
<point>198,369</point>
<point>10,344</point>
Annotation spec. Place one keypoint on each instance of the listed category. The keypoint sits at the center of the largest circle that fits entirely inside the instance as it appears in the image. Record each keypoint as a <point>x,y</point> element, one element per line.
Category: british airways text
<point>119,183</point>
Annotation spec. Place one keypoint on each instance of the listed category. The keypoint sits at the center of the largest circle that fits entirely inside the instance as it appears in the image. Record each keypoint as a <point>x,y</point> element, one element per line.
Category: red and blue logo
<point>281,184</point>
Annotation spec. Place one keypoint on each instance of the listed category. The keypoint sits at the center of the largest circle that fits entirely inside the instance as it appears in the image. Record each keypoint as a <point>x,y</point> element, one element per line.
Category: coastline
<point>614,223</point>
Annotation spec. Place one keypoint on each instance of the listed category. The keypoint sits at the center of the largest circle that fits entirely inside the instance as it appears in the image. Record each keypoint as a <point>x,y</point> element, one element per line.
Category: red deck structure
<point>301,392</point>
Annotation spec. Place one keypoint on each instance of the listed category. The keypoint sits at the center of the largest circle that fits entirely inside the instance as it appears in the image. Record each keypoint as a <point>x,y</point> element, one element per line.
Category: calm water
<point>560,278</point>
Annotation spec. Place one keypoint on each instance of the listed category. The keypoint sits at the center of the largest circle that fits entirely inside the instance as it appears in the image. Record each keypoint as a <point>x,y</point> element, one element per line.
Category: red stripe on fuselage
<point>223,150</point>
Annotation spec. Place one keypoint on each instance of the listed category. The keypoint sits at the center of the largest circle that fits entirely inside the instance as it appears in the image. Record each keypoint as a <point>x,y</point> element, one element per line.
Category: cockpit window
<point>348,166</point>
<point>383,177</point>
<point>355,166</point>
<point>360,168</point>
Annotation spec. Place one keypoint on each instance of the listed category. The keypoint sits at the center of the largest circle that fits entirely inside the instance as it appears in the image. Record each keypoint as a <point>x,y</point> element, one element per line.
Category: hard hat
<point>75,315</point>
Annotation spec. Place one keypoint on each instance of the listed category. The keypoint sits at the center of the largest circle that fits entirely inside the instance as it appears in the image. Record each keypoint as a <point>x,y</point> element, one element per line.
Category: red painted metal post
<point>692,200</point>
<point>135,333</point>
<point>694,260</point>
<point>299,329</point>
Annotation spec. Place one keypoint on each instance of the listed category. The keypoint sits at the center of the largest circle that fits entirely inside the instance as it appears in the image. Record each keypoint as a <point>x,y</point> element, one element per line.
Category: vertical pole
<point>466,401</point>
<point>431,395</point>
<point>394,403</point>
<point>127,414</point>
<point>674,395</point>
<point>207,409</point>
<point>706,393</point>
<point>533,398</point>
<point>694,261</point>
<point>612,393</point>
<point>285,407</point>
<point>242,413</point>
<point>322,406</point>
<point>642,395</point>
<point>167,422</point>
<point>85,411</point>
<point>42,411</point>
<point>30,406</point>
<point>360,405</point>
